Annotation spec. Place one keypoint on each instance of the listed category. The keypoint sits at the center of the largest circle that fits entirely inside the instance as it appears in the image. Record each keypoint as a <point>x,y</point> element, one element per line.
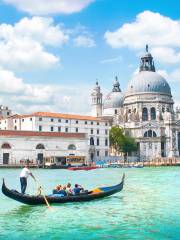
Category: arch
<point>6,146</point>
<point>144,114</point>
<point>40,146</point>
<point>153,113</point>
<point>71,147</point>
<point>91,141</point>
<point>150,133</point>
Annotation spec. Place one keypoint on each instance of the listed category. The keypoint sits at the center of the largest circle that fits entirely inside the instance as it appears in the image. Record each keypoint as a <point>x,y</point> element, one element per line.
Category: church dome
<point>115,98</point>
<point>147,80</point>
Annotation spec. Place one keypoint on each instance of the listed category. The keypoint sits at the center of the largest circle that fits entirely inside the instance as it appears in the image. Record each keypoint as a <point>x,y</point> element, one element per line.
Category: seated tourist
<point>69,189</point>
<point>57,189</point>
<point>77,189</point>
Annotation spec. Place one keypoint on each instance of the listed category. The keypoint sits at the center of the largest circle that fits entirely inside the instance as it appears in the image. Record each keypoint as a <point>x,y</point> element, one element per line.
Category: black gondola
<point>39,199</point>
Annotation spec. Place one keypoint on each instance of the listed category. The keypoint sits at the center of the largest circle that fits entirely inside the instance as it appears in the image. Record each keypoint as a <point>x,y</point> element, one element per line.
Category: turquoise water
<point>147,208</point>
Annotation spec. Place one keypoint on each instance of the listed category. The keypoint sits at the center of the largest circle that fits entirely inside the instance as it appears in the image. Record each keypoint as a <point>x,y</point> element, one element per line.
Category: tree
<point>121,142</point>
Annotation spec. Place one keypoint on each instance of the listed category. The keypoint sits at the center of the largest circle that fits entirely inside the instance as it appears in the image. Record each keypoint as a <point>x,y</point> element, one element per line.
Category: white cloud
<point>84,41</point>
<point>23,45</point>
<point>148,28</point>
<point>44,7</point>
<point>26,98</point>
<point>112,60</point>
<point>166,55</point>
<point>172,76</point>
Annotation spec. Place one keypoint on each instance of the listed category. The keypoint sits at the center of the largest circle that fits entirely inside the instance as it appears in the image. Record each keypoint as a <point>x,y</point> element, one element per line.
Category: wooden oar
<point>39,186</point>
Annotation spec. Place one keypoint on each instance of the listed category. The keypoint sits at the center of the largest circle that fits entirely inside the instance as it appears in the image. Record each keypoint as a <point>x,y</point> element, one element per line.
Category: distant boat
<point>96,193</point>
<point>86,168</point>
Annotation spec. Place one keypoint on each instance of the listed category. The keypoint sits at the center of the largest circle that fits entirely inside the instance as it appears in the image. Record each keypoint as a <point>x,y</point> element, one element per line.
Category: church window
<point>15,128</point>
<point>97,141</point>
<point>59,129</point>
<point>106,153</point>
<point>145,114</point>
<point>106,142</point>
<point>77,130</point>
<point>40,119</point>
<point>59,120</point>
<point>40,128</point>
<point>66,129</point>
<point>8,113</point>
<point>97,153</point>
<point>85,122</point>
<point>97,123</point>
<point>66,121</point>
<point>153,113</point>
<point>52,120</point>
<point>148,85</point>
<point>97,131</point>
<point>91,123</point>
<point>115,111</point>
<point>106,131</point>
<point>150,133</point>
<point>52,129</point>
<point>91,131</point>
<point>76,121</point>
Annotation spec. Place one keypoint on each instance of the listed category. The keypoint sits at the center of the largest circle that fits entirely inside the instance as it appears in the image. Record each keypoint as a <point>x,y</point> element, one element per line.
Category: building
<point>50,129</point>
<point>145,110</point>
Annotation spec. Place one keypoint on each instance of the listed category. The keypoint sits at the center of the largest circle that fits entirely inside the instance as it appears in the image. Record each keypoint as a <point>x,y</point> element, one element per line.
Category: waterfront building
<point>95,142</point>
<point>145,110</point>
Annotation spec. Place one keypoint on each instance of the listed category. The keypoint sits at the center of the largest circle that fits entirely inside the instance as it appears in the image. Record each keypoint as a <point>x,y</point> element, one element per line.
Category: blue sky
<point>51,56</point>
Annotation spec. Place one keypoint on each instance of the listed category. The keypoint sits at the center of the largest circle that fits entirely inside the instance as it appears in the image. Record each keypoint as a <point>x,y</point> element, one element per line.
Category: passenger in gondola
<point>69,189</point>
<point>57,189</point>
<point>77,189</point>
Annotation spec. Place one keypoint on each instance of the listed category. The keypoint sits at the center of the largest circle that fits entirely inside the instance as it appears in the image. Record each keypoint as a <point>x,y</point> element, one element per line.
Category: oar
<point>45,199</point>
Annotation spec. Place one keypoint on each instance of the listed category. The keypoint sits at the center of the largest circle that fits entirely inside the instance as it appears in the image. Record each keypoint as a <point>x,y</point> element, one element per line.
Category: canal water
<point>147,208</point>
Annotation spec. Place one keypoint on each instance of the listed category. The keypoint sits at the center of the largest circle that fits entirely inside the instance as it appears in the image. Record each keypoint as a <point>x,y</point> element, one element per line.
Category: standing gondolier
<point>23,178</point>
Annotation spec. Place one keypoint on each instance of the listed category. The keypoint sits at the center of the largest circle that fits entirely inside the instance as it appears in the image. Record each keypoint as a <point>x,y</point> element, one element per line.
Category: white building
<point>145,110</point>
<point>96,142</point>
<point>20,146</point>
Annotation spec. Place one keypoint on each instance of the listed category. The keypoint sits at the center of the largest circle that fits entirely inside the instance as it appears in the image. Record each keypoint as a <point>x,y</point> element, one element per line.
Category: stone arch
<point>145,114</point>
<point>6,146</point>
<point>71,147</point>
<point>40,146</point>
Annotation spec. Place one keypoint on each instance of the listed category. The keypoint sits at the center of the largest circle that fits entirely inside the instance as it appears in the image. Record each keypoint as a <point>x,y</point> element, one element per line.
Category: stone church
<point>145,110</point>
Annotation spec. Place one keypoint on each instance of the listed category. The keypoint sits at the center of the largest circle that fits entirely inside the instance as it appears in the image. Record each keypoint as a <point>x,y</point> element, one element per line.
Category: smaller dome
<point>115,98</point>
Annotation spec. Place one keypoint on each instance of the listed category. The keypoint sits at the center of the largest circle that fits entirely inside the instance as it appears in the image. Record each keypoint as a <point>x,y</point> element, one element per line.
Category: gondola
<point>83,197</point>
<point>86,168</point>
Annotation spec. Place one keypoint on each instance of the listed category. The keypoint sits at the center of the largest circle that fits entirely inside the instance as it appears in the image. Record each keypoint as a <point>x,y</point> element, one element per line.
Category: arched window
<point>40,146</point>
<point>6,146</point>
<point>150,133</point>
<point>145,114</point>
<point>97,141</point>
<point>71,147</point>
<point>115,111</point>
<point>92,141</point>
<point>153,113</point>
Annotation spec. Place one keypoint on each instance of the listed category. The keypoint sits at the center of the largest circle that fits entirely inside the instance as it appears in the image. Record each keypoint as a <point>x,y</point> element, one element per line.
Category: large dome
<point>148,81</point>
<point>115,98</point>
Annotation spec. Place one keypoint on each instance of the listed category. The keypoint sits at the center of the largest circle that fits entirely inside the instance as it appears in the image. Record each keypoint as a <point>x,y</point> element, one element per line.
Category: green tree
<point>121,142</point>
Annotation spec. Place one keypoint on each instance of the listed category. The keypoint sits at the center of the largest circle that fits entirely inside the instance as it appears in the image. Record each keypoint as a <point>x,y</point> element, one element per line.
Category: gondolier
<point>23,178</point>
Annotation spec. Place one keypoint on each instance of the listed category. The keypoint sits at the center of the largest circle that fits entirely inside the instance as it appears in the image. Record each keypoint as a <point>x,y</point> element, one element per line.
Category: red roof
<point>60,115</point>
<point>40,134</point>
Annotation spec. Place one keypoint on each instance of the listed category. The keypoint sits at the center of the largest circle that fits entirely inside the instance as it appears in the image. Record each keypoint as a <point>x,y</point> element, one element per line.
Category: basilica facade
<point>145,110</point>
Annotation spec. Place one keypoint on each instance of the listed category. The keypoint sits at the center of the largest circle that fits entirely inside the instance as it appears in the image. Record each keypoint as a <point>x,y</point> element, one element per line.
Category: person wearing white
<point>23,178</point>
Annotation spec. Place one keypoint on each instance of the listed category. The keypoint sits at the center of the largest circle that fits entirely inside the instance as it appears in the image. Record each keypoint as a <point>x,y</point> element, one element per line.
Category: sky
<point>52,52</point>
